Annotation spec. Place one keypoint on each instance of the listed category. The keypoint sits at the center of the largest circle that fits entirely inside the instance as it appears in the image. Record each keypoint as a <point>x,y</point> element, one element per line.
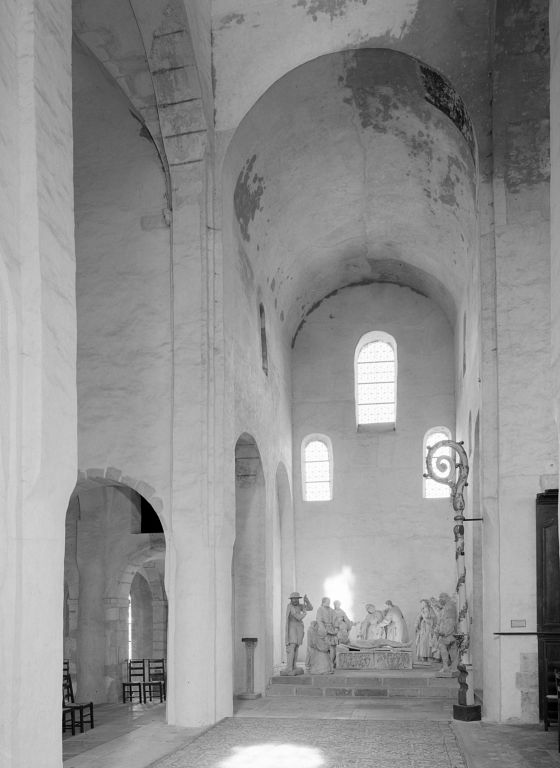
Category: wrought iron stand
<point>443,469</point>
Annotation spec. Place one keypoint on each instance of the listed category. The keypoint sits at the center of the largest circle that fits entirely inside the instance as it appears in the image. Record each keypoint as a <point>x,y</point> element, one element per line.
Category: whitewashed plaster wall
<point>123,287</point>
<point>259,404</point>
<point>37,386</point>
<point>392,543</point>
<point>527,446</point>
<point>250,50</point>
<point>555,200</point>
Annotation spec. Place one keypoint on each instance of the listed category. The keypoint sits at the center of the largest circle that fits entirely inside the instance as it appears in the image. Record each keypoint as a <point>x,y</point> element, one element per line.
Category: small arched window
<point>264,346</point>
<point>433,489</point>
<point>316,466</point>
<point>375,379</point>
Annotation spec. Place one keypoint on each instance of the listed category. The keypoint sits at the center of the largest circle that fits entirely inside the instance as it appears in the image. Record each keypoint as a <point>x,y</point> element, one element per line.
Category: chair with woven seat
<point>82,713</point>
<point>156,679</point>
<point>134,686</point>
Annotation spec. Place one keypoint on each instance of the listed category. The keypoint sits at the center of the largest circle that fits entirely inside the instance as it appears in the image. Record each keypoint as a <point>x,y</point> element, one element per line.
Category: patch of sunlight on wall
<point>341,587</point>
<point>274,756</point>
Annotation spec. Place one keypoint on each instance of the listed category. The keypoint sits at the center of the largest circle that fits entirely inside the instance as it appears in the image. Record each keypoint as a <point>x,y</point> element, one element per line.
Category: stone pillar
<point>250,645</point>
<point>38,463</point>
<point>554,20</point>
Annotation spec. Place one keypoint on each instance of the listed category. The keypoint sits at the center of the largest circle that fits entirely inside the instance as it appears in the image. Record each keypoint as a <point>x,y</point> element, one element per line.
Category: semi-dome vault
<point>356,167</point>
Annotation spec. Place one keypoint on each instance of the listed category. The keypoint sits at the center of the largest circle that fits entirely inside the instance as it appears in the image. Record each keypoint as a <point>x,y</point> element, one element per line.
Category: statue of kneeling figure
<point>318,660</point>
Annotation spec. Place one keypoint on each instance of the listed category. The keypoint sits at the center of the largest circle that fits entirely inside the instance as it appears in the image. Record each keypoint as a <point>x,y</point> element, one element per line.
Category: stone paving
<point>320,743</point>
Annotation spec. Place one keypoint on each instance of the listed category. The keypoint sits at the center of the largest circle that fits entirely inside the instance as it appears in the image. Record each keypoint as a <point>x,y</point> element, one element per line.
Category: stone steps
<point>376,685</point>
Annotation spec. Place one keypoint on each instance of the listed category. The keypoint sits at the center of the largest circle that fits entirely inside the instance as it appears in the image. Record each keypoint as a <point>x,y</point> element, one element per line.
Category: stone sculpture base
<point>292,672</point>
<point>374,658</point>
<point>468,713</point>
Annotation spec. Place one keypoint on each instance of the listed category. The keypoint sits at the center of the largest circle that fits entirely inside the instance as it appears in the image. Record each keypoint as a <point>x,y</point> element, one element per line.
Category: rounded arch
<point>105,548</point>
<point>319,173</point>
<point>115,476</point>
<point>250,578</point>
<point>285,543</point>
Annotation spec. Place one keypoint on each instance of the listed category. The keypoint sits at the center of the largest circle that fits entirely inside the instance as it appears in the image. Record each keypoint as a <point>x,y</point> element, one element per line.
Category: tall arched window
<point>433,489</point>
<point>264,346</point>
<point>375,379</point>
<point>316,468</point>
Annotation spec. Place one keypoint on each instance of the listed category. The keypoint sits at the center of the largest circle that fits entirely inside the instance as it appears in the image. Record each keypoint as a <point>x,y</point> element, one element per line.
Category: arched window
<point>316,466</point>
<point>264,346</point>
<point>433,489</point>
<point>375,379</point>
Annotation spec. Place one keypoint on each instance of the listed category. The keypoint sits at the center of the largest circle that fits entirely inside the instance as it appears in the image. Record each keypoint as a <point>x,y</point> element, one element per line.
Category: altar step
<point>345,684</point>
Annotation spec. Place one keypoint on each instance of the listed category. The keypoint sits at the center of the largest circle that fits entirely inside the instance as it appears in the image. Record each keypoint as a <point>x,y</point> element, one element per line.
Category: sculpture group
<point>436,628</point>
<point>435,633</point>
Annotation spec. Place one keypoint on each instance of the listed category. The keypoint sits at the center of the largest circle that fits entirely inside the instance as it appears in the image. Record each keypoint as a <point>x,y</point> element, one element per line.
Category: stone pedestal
<point>468,713</point>
<point>375,658</point>
<point>250,643</point>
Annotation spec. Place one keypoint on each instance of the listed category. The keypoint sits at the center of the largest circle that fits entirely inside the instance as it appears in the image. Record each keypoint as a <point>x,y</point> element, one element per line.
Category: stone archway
<point>104,550</point>
<point>249,562</point>
<point>286,547</point>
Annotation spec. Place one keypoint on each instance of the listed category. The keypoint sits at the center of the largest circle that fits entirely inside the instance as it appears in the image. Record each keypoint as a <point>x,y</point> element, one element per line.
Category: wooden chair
<point>82,713</point>
<point>68,719</point>
<point>557,681</point>
<point>156,680</point>
<point>550,701</point>
<point>136,680</point>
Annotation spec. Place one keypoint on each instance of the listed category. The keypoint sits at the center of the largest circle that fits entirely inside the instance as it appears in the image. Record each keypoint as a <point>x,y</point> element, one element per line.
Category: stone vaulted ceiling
<point>355,167</point>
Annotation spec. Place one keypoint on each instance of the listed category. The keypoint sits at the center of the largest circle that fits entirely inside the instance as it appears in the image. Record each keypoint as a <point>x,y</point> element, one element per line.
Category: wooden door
<point>548,587</point>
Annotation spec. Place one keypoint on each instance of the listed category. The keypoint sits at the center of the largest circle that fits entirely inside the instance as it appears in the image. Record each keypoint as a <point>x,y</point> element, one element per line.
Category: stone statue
<point>325,619</point>
<point>318,660</point>
<point>424,629</point>
<point>445,632</point>
<point>295,614</point>
<point>370,627</point>
<point>436,608</point>
<point>342,623</point>
<point>393,619</point>
<point>380,642</point>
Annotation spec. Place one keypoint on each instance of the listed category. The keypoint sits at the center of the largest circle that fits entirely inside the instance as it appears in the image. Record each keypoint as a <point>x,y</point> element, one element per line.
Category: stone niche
<point>374,658</point>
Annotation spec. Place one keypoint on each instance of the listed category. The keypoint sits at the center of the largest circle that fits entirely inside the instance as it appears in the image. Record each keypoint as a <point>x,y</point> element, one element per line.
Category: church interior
<point>255,258</point>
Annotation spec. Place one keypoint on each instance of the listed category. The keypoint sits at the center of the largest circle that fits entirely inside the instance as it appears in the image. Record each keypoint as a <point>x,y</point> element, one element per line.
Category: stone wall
<point>123,286</point>
<point>378,536</point>
<point>527,447</point>
<point>37,380</point>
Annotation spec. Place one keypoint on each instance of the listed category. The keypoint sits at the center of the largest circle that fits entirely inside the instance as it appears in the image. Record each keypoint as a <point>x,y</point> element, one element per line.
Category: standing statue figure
<point>295,614</point>
<point>393,619</point>
<point>325,619</point>
<point>445,631</point>
<point>436,608</point>
<point>342,623</point>
<point>318,659</point>
<point>424,628</point>
<point>370,626</point>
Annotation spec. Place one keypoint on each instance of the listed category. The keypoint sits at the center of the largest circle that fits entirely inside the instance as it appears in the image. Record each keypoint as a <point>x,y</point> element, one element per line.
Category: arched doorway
<point>284,544</point>
<point>249,611</point>
<point>111,559</point>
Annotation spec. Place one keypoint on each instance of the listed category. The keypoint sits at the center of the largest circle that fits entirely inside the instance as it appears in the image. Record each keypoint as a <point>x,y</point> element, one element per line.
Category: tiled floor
<point>136,736</point>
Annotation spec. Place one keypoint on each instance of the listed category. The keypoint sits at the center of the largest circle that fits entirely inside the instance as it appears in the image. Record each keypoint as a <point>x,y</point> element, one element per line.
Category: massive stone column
<point>555,200</point>
<point>527,449</point>
<point>37,387</point>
